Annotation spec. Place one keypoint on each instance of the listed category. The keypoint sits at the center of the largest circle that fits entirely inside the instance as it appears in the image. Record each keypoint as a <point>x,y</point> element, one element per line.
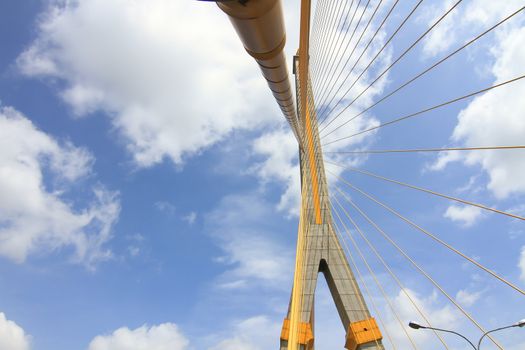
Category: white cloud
<point>465,215</point>
<point>172,75</point>
<point>471,186</point>
<point>437,313</point>
<point>496,118</point>
<point>133,250</point>
<point>190,218</point>
<point>466,298</point>
<point>166,207</point>
<point>138,63</point>
<point>255,333</point>
<point>280,150</point>
<point>444,35</point>
<point>240,227</point>
<point>136,247</point>
<point>12,336</point>
<point>464,22</point>
<point>521,263</point>
<point>33,215</point>
<point>237,284</point>
<point>487,12</point>
<point>166,336</point>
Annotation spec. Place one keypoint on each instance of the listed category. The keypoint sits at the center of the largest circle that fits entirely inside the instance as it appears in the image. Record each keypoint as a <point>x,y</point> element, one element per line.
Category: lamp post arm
<point>456,333</point>
<point>491,331</point>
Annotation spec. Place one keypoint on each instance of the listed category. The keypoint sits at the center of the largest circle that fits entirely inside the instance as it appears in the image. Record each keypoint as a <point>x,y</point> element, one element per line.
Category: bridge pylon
<point>318,246</point>
<point>319,249</point>
<point>260,26</point>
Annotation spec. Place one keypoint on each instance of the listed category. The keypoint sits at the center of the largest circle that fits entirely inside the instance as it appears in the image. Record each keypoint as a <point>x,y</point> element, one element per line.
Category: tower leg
<point>324,254</point>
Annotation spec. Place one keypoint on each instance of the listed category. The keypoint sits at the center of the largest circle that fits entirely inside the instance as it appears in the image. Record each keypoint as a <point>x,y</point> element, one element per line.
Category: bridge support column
<point>260,27</point>
<point>324,254</point>
<point>319,249</point>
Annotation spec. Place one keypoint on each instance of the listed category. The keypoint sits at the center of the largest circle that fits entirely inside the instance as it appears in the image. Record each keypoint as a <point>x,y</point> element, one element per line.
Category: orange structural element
<point>362,332</point>
<point>305,335</point>
<point>305,105</point>
<point>313,168</point>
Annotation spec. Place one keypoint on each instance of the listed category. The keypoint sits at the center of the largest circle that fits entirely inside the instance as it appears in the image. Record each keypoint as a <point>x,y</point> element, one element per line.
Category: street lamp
<point>517,324</point>
<point>416,325</point>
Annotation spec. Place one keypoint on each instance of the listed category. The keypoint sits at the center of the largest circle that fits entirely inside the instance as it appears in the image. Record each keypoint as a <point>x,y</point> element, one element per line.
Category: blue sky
<point>149,185</point>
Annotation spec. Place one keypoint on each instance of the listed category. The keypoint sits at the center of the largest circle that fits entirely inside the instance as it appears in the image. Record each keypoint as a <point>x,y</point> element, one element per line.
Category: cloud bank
<point>166,336</point>
<point>12,336</point>
<point>494,118</point>
<point>35,171</point>
<point>171,75</point>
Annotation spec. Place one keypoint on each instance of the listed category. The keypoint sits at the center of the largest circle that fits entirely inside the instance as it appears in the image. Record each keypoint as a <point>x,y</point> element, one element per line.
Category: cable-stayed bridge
<point>341,43</point>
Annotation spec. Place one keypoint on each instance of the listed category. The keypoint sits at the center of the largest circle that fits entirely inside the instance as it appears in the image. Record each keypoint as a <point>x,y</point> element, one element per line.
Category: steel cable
<point>411,115</point>
<point>433,66</point>
<point>390,271</point>
<point>434,237</point>
<point>400,26</point>
<point>463,201</point>
<point>422,150</point>
<point>324,95</point>
<point>426,275</point>
<point>331,62</point>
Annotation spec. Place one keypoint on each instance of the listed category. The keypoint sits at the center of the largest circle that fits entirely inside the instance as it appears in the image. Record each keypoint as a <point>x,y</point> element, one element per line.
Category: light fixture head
<point>520,323</point>
<point>415,325</point>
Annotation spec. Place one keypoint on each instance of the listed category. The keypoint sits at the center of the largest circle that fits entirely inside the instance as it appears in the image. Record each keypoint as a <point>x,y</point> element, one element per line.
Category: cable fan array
<point>355,46</point>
